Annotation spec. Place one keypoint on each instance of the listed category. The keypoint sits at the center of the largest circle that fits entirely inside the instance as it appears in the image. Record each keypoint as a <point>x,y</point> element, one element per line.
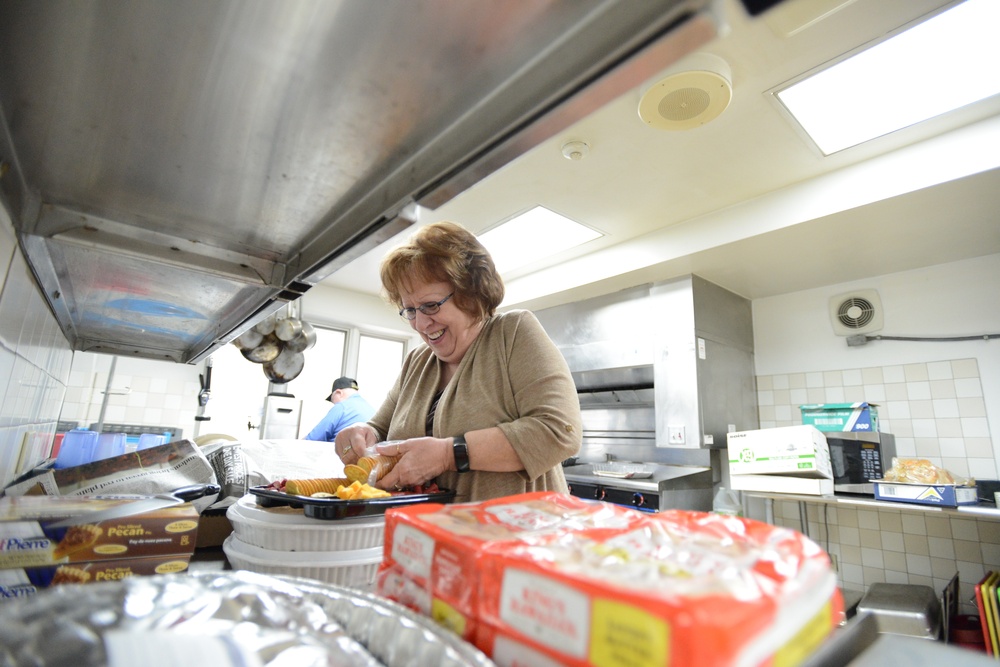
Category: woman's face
<point>450,331</point>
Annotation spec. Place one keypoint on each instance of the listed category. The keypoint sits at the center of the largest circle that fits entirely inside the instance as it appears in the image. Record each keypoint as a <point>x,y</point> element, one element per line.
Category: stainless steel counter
<point>662,476</point>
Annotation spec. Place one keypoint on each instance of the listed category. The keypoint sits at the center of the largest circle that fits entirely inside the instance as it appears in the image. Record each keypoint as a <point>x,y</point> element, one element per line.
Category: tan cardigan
<point>512,376</point>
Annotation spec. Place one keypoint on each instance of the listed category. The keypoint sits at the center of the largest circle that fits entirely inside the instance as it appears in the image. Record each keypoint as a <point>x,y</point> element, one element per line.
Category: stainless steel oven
<point>667,487</point>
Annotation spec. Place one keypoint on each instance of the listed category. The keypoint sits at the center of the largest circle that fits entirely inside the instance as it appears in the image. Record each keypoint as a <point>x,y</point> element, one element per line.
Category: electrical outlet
<point>675,435</point>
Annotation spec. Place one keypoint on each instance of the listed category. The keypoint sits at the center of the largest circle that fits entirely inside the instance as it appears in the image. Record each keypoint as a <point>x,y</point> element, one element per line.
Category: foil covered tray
<point>623,470</point>
<point>335,508</point>
<point>223,619</point>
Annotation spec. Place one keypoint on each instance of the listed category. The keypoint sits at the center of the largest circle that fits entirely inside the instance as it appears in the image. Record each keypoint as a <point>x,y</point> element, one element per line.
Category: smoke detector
<point>690,98</point>
<point>856,312</point>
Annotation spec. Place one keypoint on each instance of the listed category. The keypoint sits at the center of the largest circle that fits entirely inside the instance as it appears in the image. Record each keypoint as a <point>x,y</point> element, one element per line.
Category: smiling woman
<point>487,406</point>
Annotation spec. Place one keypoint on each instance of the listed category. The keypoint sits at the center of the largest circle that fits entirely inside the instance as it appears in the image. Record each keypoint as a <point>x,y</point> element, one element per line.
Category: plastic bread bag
<point>373,466</point>
<point>921,471</point>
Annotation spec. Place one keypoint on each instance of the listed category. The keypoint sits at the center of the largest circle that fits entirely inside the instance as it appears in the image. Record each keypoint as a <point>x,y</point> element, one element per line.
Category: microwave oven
<point>859,457</point>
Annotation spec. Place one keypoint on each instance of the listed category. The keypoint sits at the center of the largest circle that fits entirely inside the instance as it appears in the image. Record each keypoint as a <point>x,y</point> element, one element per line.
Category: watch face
<point>461,451</point>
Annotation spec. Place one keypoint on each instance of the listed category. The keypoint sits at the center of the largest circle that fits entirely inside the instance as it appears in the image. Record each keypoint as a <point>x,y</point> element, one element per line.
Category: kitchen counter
<point>584,474</point>
<point>980,510</point>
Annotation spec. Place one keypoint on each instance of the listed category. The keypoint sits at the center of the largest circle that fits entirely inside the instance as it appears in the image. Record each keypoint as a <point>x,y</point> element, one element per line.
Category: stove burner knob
<point>638,500</point>
<point>599,493</point>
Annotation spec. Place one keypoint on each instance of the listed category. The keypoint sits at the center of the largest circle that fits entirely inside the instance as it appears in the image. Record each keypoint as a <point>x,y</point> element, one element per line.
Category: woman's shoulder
<point>516,325</point>
<point>514,319</point>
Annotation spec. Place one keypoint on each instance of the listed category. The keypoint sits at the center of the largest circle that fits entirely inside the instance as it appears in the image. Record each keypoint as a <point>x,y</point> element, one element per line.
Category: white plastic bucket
<point>351,569</point>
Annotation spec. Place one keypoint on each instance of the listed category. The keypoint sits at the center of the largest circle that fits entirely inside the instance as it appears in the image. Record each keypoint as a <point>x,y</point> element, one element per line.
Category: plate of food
<point>340,498</point>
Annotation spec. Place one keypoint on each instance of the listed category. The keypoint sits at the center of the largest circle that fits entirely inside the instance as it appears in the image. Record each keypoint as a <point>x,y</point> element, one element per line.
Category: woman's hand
<point>421,460</point>
<point>353,440</point>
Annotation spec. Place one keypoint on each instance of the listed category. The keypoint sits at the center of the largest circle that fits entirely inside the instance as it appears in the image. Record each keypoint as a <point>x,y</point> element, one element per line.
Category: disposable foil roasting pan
<point>222,618</point>
<point>623,470</point>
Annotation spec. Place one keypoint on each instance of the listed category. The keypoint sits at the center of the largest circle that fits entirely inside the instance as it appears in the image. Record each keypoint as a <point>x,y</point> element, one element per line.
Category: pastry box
<point>28,538</point>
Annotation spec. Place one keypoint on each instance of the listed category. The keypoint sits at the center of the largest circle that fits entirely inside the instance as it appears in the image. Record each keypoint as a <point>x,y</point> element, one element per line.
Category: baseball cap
<point>342,383</point>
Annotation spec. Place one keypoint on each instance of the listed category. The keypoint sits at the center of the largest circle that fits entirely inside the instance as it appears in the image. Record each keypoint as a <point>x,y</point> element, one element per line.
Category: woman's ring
<point>399,488</point>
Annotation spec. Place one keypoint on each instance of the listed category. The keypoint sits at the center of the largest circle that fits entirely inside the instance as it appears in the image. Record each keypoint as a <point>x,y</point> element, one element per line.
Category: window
<point>324,364</point>
<point>379,360</point>
<point>237,395</point>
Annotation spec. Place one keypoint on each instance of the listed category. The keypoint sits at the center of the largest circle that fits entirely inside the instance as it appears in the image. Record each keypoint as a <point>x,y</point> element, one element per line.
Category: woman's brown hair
<point>445,252</point>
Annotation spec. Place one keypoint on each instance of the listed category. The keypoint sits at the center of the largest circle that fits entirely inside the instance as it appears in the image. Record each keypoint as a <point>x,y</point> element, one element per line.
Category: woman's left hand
<point>421,460</point>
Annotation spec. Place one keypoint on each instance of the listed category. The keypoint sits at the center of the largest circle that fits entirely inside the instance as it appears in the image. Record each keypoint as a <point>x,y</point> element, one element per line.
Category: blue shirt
<point>345,413</point>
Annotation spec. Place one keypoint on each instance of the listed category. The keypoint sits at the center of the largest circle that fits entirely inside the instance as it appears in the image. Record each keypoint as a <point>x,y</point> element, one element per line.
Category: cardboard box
<point>801,451</point>
<point>679,588</point>
<point>943,495</point>
<point>213,528</point>
<point>28,540</point>
<point>782,484</point>
<point>431,551</point>
<point>24,582</point>
<point>859,416</point>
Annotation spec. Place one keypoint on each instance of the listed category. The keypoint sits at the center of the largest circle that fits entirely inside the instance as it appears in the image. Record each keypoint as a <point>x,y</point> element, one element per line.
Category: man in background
<point>348,407</point>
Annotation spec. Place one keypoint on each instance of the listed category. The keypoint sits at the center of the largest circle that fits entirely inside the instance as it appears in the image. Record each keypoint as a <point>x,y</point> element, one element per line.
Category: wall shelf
<point>980,511</point>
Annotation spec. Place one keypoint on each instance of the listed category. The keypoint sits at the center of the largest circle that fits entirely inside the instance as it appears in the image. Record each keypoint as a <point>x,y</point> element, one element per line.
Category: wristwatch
<point>461,453</point>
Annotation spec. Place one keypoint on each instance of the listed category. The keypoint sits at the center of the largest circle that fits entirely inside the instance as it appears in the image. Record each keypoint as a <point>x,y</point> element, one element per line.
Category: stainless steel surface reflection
<point>267,620</point>
<point>177,171</point>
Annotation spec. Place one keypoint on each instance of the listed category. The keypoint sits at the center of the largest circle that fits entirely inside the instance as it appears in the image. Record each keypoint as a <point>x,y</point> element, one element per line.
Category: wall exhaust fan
<point>857,312</point>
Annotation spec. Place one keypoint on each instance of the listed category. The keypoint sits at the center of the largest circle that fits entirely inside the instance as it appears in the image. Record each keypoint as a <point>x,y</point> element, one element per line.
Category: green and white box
<point>789,450</point>
<point>860,416</point>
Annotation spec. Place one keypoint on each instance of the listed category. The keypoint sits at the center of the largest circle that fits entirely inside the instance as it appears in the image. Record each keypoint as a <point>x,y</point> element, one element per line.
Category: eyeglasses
<point>425,308</point>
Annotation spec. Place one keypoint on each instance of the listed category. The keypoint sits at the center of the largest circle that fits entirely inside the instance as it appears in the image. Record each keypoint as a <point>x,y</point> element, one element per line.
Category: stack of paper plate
<point>282,540</point>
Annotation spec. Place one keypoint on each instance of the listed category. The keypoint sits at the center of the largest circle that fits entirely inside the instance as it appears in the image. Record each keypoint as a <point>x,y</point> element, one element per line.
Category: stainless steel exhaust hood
<point>178,170</point>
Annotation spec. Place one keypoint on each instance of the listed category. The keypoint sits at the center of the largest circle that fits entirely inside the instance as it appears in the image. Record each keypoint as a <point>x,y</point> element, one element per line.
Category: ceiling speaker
<point>856,313</point>
<point>688,99</point>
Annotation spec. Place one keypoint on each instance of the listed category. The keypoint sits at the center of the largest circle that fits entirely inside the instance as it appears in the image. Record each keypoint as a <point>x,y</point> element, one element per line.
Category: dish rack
<point>623,470</point>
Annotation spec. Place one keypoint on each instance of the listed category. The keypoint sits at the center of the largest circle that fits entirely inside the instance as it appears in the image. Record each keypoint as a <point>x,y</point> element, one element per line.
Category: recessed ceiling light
<point>942,64</point>
<point>533,235</point>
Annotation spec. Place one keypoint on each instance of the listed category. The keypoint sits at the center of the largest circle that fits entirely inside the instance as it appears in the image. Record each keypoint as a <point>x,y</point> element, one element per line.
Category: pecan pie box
<point>24,582</point>
<point>27,538</point>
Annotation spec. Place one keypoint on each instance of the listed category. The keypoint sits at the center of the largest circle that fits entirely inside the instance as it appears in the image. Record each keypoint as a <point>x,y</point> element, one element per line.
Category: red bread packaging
<point>431,551</point>
<point>679,588</point>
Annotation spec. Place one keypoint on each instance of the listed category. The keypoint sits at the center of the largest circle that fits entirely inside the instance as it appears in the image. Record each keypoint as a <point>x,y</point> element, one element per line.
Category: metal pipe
<point>107,393</point>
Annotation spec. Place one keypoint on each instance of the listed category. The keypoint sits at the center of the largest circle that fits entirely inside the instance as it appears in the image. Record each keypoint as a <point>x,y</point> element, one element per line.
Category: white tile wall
<point>935,410</point>
<point>35,358</point>
<point>142,392</point>
<point>906,546</point>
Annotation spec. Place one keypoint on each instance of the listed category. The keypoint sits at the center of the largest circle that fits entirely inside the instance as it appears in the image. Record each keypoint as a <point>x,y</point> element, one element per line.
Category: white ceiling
<point>745,201</point>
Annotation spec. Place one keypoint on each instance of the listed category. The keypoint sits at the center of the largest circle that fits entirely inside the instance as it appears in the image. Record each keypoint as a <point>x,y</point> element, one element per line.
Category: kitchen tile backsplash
<point>935,411</point>
<point>142,392</point>
<point>35,361</point>
<point>906,546</point>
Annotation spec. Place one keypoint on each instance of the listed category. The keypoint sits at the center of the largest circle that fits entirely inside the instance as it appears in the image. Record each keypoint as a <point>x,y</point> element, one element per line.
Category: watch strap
<point>461,451</point>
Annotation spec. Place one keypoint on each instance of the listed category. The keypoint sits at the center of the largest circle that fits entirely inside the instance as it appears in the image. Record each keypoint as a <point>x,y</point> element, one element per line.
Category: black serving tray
<point>335,508</point>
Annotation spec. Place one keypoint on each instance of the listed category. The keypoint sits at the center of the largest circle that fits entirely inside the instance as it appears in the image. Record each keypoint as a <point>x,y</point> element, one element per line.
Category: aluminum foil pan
<point>623,470</point>
<point>222,619</point>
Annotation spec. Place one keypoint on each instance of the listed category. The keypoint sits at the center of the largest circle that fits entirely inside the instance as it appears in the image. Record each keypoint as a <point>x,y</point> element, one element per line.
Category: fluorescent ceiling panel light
<point>532,236</point>
<point>944,63</point>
